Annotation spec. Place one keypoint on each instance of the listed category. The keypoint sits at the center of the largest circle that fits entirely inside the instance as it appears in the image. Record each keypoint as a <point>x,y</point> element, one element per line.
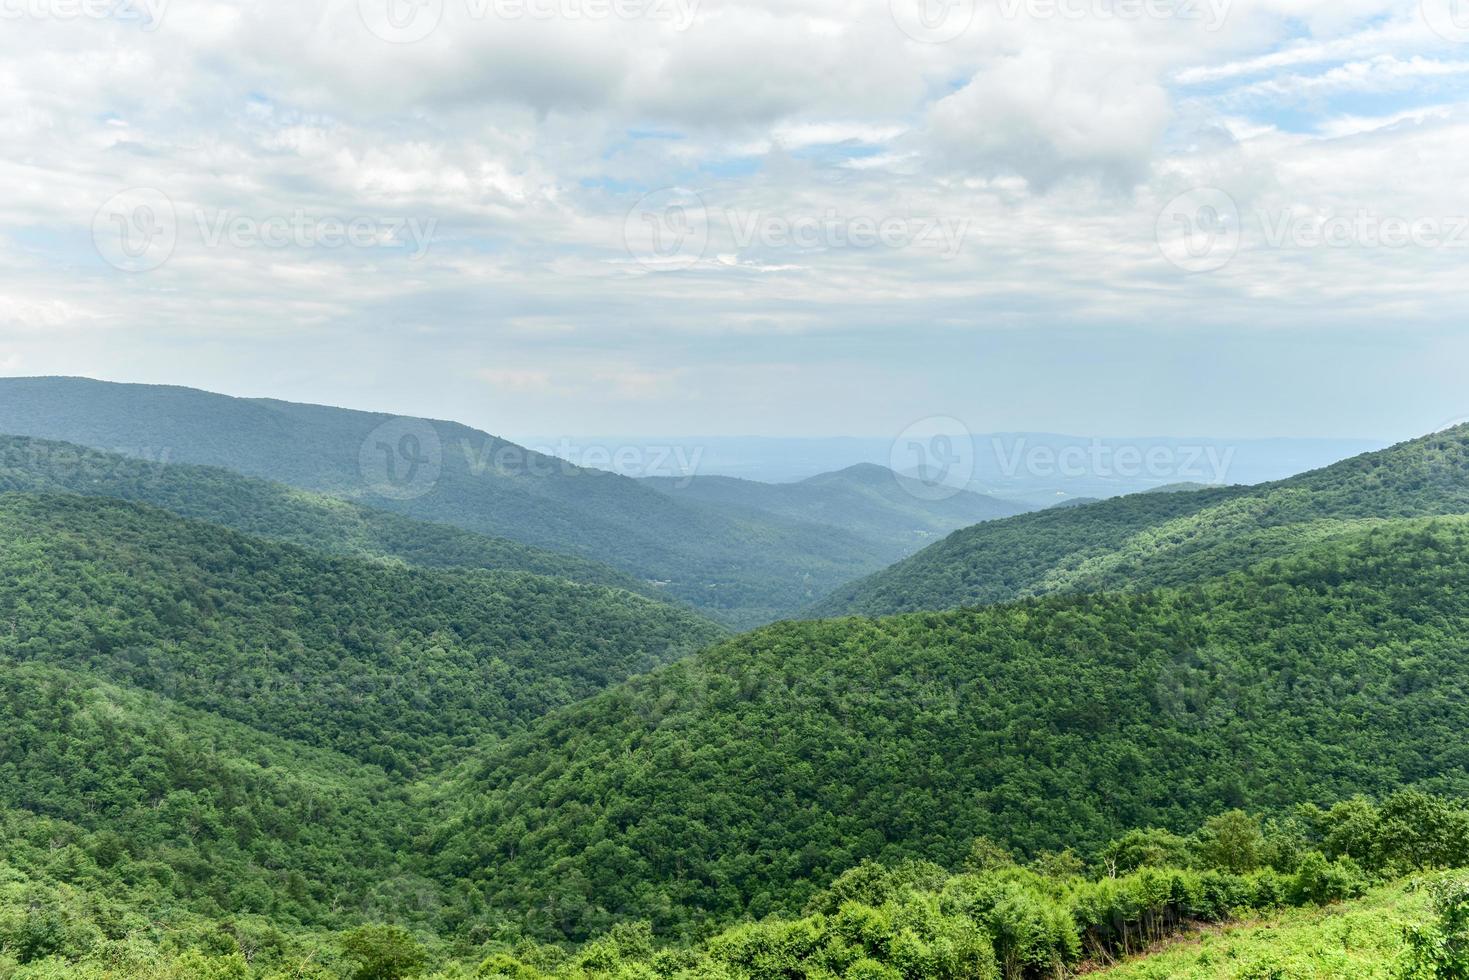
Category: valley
<point>251,723</point>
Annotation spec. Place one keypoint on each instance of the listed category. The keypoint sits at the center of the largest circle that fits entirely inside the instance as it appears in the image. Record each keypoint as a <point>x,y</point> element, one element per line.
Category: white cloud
<point>1044,117</point>
<point>1053,142</point>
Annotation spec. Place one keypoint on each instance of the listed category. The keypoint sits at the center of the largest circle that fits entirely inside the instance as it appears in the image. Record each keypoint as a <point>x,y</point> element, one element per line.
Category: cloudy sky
<point>785,217</point>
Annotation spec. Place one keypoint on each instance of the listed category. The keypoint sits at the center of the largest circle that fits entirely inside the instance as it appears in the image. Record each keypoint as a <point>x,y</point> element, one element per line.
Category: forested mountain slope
<point>894,511</point>
<point>1155,539</point>
<point>274,510</point>
<point>733,782</point>
<point>138,801</point>
<point>394,666</point>
<point>746,568</point>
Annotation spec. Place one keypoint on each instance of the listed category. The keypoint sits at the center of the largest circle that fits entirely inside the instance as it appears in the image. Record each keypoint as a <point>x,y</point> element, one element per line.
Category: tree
<point>1151,848</point>
<point>986,855</point>
<point>1231,842</point>
<point>384,953</point>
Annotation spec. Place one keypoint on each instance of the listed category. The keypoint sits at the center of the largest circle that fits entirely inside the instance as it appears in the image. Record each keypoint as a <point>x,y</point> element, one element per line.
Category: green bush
<point>1439,950</point>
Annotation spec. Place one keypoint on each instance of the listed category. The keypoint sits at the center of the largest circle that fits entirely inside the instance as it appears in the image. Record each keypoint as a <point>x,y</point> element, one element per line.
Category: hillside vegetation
<point>1149,540</point>
<point>394,666</point>
<point>733,782</point>
<point>159,811</point>
<point>1365,939</point>
<point>258,732</point>
<point>994,919</point>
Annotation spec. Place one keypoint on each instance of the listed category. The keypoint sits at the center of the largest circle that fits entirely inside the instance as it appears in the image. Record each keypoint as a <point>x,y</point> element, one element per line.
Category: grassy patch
<point>1355,941</point>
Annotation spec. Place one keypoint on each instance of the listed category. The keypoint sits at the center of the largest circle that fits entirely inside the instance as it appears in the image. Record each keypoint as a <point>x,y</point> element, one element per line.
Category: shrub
<point>1439,950</point>
<point>1321,882</point>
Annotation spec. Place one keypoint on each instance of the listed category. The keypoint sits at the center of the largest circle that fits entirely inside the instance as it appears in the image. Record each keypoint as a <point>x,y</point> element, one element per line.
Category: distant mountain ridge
<point>901,513</point>
<point>273,510</point>
<point>744,569</point>
<point>1035,467</point>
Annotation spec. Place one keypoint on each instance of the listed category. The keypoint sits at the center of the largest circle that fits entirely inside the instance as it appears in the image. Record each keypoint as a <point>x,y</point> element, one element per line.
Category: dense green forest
<point>1155,539</point>
<point>734,782</point>
<point>75,903</point>
<point>399,667</point>
<point>274,510</point>
<point>745,567</point>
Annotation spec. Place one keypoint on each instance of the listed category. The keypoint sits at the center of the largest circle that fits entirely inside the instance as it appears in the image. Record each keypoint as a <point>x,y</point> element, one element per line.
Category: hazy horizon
<point>391,402</point>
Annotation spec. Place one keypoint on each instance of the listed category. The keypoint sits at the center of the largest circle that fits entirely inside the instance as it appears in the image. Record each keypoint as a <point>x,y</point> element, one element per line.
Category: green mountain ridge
<point>1148,540</point>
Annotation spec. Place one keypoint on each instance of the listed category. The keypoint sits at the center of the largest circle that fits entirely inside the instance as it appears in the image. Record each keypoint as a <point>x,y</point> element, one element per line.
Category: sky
<point>774,217</point>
